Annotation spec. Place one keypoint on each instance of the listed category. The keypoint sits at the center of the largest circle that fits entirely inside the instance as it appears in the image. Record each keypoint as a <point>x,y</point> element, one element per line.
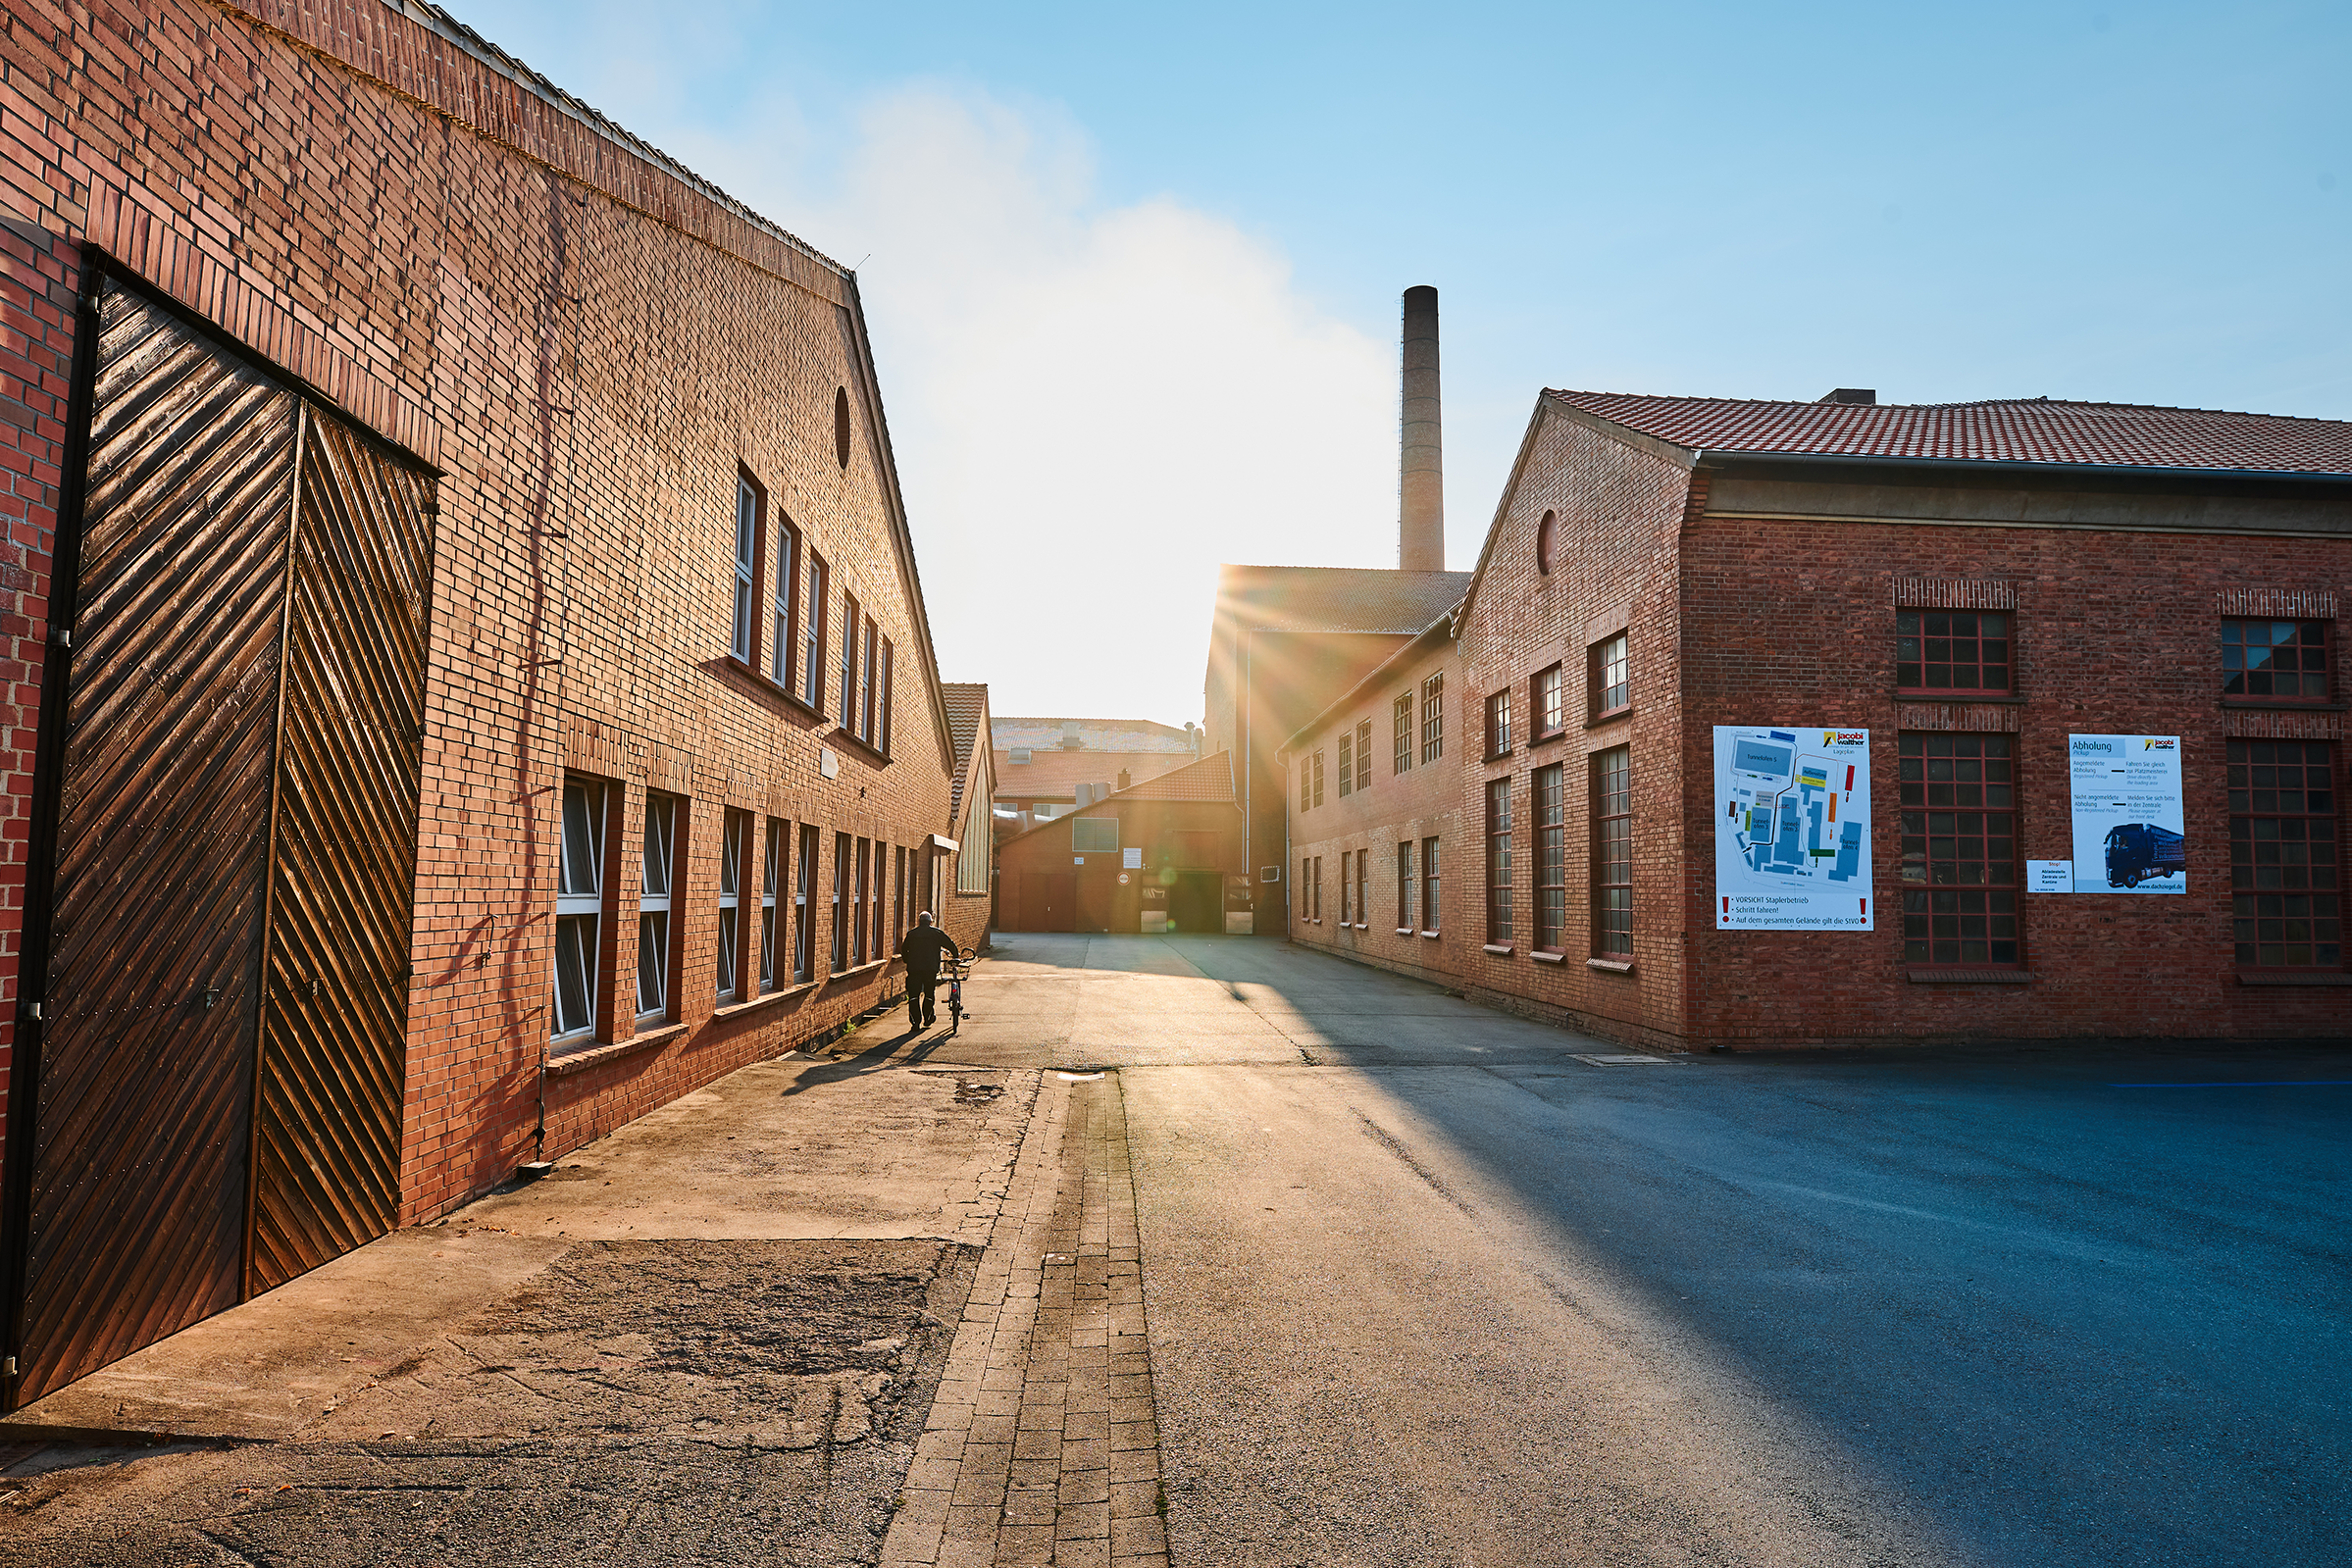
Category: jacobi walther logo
<point>1844,738</point>
<point>2154,743</point>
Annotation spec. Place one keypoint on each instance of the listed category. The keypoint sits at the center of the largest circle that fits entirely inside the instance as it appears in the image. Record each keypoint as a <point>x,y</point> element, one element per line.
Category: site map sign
<point>2130,835</point>
<point>1792,829</point>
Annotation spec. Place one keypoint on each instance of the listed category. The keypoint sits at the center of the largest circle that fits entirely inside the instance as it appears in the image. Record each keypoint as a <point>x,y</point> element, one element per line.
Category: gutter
<point>1719,458</point>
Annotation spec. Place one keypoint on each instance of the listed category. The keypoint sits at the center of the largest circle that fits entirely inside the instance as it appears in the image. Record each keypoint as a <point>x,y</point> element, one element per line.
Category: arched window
<point>1543,542</point>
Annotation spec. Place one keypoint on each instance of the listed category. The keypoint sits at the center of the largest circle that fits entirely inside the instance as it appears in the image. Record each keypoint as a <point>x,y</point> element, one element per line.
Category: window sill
<point>1610,717</point>
<point>2007,699</point>
<point>762,686</point>
<point>2289,977</point>
<point>852,974</point>
<point>1403,930</point>
<point>879,758</point>
<point>581,1058</point>
<point>1543,957</point>
<point>1501,949</point>
<point>763,999</point>
<point>1360,926</point>
<point>2290,704</point>
<point>1969,977</point>
<point>1611,966</point>
<point>1431,934</point>
<point>1547,737</point>
<point>1497,756</point>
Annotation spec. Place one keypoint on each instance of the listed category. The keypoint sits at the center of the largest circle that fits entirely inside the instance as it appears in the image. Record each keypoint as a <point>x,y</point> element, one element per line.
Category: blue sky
<point>1133,273</point>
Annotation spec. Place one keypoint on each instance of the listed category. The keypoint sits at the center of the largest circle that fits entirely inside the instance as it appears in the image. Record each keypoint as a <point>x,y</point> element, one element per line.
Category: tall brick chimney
<point>1421,479</point>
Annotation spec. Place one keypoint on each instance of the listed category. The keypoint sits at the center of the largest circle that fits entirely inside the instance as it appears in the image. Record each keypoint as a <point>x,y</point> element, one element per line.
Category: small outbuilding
<point>1163,856</point>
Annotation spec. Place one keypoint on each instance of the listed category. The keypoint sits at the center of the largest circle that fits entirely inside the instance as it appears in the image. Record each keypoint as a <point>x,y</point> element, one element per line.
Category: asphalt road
<point>1425,1289</point>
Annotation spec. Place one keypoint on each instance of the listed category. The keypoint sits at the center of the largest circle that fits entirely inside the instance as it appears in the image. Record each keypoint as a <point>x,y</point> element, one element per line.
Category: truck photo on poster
<point>2129,834</point>
<point>1792,829</point>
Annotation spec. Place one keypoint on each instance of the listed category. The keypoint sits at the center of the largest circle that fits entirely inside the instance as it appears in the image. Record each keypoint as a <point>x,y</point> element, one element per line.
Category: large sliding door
<point>218,1063</point>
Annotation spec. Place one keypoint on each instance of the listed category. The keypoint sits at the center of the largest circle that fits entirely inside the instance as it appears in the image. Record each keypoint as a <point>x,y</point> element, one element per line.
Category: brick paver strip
<point>1042,1445</point>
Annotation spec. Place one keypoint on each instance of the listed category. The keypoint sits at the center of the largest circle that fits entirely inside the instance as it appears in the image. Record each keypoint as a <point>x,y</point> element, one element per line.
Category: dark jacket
<point>926,948</point>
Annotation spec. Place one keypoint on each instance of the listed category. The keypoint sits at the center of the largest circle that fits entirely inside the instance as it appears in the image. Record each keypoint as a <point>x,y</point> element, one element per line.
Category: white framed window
<point>746,561</point>
<point>879,905</point>
<point>788,583</point>
<point>858,901</point>
<point>579,908</point>
<point>659,857</point>
<point>866,673</point>
<point>731,905</point>
<point>804,914</point>
<point>812,634</point>
<point>851,621</point>
<point>840,902</point>
<point>882,736</point>
<point>1095,834</point>
<point>771,876</point>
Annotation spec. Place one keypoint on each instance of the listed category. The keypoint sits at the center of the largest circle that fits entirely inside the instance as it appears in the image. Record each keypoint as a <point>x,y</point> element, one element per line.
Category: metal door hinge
<point>8,1368</point>
<point>34,1012</point>
<point>65,636</point>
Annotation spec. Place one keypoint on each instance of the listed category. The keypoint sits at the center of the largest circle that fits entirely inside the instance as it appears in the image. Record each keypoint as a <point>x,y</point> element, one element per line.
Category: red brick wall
<point>1417,804</point>
<point>1617,513</point>
<point>38,289</point>
<point>1792,623</point>
<point>589,346</point>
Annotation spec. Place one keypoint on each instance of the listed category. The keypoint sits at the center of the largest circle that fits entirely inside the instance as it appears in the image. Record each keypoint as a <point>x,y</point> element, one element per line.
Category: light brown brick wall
<point>589,347</point>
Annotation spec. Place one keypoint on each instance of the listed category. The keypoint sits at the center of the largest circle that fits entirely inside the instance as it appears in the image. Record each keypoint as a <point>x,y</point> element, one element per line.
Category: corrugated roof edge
<point>522,75</point>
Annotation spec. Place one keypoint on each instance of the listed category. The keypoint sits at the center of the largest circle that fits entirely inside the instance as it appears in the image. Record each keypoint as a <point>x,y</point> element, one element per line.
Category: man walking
<point>924,950</point>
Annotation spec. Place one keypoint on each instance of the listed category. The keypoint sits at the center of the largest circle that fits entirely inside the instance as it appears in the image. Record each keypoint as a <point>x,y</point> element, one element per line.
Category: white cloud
<point>1093,406</point>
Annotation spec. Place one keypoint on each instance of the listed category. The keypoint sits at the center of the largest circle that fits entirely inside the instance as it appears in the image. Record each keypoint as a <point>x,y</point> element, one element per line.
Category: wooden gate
<point>231,875</point>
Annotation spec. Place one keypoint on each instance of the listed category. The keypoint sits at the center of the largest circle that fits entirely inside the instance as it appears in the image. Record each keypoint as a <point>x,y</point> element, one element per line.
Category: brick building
<point>2084,662</point>
<point>1047,768</point>
<point>1159,856</point>
<point>470,682</point>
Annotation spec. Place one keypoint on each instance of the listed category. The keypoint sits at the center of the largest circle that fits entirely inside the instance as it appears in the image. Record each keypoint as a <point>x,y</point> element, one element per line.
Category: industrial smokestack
<point>1421,487</point>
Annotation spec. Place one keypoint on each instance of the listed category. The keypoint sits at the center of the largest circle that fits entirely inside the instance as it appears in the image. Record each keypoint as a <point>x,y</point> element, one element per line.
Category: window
<point>746,564</point>
<point>850,622</point>
<point>731,905</point>
<point>858,901</point>
<point>878,904</point>
<point>1347,763</point>
<point>1364,754</point>
<point>1307,907</point>
<point>1433,717</point>
<point>1551,859</point>
<point>1951,650</point>
<point>1095,834</point>
<point>812,636</point>
<point>1344,890</point>
<point>1318,778</point>
<point>868,674</point>
<point>840,902</point>
<point>1400,720</point>
<point>882,731</point>
<point>1498,724</point>
<point>1612,853</point>
<point>1364,912</point>
<point>2282,855</point>
<point>1430,887</point>
<point>1404,888</point>
<point>1606,678</point>
<point>1307,783</point>
<point>771,879</point>
<point>579,908</point>
<point>1019,756</point>
<point>972,863</point>
<point>1315,889</point>
<point>805,913</point>
<point>1960,849</point>
<point>2286,660</point>
<point>1547,712</point>
<point>788,584</point>
<point>1498,861</point>
<point>658,860</point>
<point>1543,540</point>
<point>898,896</point>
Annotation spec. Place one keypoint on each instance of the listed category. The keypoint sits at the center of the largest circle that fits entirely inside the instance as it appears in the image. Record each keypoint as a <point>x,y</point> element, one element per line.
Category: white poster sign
<point>2130,830</point>
<point>1133,859</point>
<point>2049,876</point>
<point>1792,829</point>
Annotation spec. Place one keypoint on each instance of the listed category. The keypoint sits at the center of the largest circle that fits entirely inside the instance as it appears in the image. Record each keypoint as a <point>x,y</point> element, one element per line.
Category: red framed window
<point>1347,763</point>
<point>1433,717</point>
<point>1430,887</point>
<point>2286,903</point>
<point>1497,723</point>
<point>1364,754</point>
<point>1405,887</point>
<point>2286,661</point>
<point>1546,712</point>
<point>1551,858</point>
<point>1960,850</point>
<point>1612,853</point>
<point>1400,722</point>
<point>1498,861</point>
<point>1363,910</point>
<point>1952,651</point>
<point>1607,679</point>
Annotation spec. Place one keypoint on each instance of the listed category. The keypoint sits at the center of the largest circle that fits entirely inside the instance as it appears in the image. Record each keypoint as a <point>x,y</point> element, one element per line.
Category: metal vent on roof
<point>1853,394</point>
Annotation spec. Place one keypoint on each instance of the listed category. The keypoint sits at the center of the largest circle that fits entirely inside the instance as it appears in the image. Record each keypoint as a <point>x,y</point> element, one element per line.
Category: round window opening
<point>1543,542</point>
<point>841,426</point>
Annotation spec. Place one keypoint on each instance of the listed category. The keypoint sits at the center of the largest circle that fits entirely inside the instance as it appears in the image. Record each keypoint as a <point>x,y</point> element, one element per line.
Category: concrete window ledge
<point>1431,934</point>
<point>852,974</point>
<point>720,1015</point>
<point>1403,930</point>
<point>1967,977</point>
<point>578,1061</point>
<point>2247,978</point>
<point>1501,949</point>
<point>1611,966</point>
<point>1542,957</point>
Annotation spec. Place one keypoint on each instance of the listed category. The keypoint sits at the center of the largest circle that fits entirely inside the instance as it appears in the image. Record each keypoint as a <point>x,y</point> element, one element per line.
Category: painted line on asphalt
<point>2251,1083</point>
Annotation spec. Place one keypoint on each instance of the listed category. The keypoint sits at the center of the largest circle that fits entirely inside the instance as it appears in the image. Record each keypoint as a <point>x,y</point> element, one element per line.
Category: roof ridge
<point>1860,409</point>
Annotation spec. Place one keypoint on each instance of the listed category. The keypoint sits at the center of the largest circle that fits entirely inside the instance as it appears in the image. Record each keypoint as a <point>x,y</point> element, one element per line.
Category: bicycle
<point>956,990</point>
